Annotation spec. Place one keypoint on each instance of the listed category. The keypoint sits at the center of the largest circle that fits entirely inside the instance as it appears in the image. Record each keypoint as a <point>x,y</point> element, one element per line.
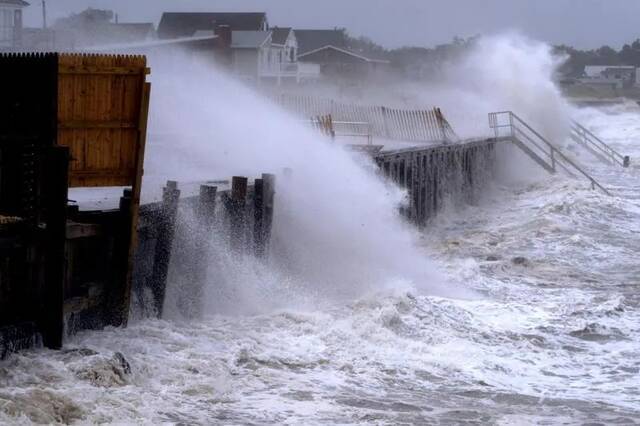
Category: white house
<point>11,23</point>
<point>269,55</point>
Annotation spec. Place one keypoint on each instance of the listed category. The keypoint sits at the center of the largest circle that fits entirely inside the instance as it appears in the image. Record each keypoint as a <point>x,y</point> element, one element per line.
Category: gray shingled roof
<point>179,24</point>
<point>280,35</point>
<point>14,2</point>
<point>309,40</point>
<point>249,39</point>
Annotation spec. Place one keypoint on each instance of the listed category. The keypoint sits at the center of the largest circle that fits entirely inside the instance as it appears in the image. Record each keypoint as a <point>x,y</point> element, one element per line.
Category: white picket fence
<point>396,124</point>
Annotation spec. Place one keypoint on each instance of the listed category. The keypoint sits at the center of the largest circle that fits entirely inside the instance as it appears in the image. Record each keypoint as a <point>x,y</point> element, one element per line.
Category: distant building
<point>252,53</point>
<point>11,24</point>
<point>328,49</point>
<point>264,56</point>
<point>617,76</point>
<point>245,44</point>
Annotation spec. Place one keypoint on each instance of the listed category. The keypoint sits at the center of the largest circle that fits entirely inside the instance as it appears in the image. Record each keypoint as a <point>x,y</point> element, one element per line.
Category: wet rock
<point>598,333</point>
<point>41,407</point>
<point>492,258</point>
<point>520,260</point>
<point>103,371</point>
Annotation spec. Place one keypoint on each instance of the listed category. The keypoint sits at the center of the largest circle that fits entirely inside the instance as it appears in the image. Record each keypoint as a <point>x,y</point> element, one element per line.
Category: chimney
<point>223,44</point>
<point>224,36</point>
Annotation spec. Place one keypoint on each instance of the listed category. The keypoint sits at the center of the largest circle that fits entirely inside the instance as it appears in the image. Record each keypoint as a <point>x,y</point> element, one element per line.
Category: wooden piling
<point>116,305</point>
<point>258,218</point>
<point>236,210</point>
<point>269,191</point>
<point>57,184</point>
<point>164,242</point>
<point>207,206</point>
<point>205,232</point>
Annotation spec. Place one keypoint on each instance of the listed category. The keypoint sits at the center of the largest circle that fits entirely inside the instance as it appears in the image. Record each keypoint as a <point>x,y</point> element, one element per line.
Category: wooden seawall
<point>433,174</point>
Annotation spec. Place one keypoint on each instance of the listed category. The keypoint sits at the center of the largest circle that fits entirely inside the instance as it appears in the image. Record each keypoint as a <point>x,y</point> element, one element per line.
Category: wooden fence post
<point>57,172</point>
<point>236,209</point>
<point>164,242</point>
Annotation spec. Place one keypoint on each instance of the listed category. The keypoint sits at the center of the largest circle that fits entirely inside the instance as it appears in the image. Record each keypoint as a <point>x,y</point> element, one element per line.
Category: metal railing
<point>347,129</point>
<point>536,146</point>
<point>353,129</point>
<point>596,146</point>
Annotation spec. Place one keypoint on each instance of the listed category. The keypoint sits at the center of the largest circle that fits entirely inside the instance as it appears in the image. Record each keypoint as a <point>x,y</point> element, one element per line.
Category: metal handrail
<point>556,155</point>
<point>587,137</point>
<point>364,124</point>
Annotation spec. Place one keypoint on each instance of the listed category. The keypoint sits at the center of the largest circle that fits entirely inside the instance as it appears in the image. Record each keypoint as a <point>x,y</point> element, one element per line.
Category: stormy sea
<point>550,336</point>
<point>521,307</point>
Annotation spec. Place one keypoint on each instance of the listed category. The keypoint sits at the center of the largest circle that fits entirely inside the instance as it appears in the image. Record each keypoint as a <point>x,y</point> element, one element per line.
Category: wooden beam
<point>83,124</point>
<point>96,70</point>
<point>77,230</point>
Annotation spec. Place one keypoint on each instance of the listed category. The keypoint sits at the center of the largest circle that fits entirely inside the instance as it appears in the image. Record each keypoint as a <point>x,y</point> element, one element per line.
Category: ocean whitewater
<point>552,338</point>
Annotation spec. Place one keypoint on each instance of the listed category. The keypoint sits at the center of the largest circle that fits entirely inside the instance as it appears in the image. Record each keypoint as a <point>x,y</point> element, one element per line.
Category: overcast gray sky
<point>393,23</point>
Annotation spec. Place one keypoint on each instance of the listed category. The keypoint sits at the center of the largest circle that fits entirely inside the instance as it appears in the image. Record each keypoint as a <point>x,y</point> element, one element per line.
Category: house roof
<point>309,40</point>
<point>280,35</point>
<point>249,39</point>
<point>181,24</point>
<point>343,51</point>
<point>20,3</point>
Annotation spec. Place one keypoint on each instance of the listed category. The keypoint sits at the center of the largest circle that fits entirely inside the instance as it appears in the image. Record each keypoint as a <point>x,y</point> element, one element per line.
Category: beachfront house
<point>246,44</point>
<point>252,54</point>
<point>269,56</point>
<point>329,50</point>
<point>11,24</point>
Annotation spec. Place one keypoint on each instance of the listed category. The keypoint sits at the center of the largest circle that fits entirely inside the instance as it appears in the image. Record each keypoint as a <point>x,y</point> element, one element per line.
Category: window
<point>6,16</point>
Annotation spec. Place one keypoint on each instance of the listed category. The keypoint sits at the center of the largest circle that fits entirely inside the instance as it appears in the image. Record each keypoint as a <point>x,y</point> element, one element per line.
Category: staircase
<point>538,148</point>
<point>582,136</point>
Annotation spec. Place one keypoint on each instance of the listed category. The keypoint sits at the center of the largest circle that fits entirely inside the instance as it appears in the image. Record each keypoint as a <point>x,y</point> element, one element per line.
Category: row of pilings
<point>179,232</point>
<point>435,175</point>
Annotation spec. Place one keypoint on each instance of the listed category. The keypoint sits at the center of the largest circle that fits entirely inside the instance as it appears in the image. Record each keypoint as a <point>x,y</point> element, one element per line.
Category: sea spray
<point>506,72</point>
<point>336,222</point>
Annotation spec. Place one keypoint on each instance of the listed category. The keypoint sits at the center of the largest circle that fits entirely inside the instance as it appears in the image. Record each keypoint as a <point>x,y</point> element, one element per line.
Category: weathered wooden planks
<point>102,107</point>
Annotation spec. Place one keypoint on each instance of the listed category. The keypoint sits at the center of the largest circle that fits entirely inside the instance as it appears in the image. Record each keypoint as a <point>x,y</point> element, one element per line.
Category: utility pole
<point>44,15</point>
